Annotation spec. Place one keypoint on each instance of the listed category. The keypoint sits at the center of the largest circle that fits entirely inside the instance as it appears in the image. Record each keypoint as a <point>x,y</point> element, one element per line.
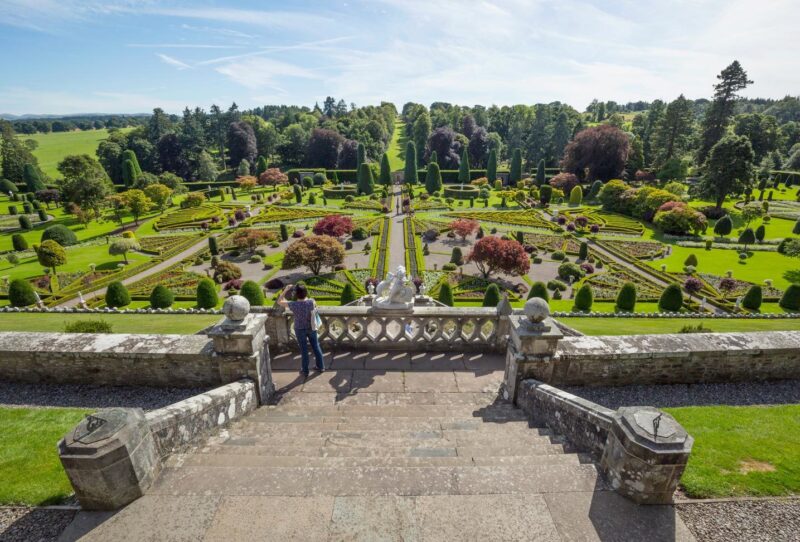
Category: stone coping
<point>100,343</point>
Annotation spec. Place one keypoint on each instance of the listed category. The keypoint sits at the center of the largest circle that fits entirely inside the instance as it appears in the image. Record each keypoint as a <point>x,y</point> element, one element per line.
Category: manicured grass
<point>180,324</point>
<point>53,147</point>
<point>640,326</point>
<point>739,451</point>
<point>29,464</point>
<point>397,146</point>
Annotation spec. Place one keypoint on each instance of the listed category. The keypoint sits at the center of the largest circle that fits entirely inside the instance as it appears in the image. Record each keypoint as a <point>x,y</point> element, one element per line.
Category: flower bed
<point>286,214</point>
<point>608,222</point>
<point>740,287</point>
<point>526,217</point>
<point>606,286</point>
<point>461,191</point>
<point>544,241</point>
<point>643,250</point>
<point>339,191</point>
<point>191,217</point>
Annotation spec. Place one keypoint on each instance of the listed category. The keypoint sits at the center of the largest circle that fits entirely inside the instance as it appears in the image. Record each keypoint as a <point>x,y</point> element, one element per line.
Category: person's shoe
<point>319,369</point>
<point>304,373</point>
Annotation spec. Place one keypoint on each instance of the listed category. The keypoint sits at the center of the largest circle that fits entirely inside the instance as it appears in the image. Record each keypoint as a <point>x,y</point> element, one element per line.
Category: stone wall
<point>583,423</point>
<point>671,359</point>
<point>176,426</point>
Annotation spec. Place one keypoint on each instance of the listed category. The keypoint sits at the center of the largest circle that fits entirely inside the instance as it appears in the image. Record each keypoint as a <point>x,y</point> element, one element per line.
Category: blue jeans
<point>305,336</point>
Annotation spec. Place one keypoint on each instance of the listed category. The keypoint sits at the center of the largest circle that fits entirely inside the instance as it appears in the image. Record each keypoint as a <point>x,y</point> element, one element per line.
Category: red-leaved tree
<point>564,182</point>
<point>273,177</point>
<point>600,150</point>
<point>464,227</point>
<point>492,254</point>
<point>314,252</point>
<point>334,225</point>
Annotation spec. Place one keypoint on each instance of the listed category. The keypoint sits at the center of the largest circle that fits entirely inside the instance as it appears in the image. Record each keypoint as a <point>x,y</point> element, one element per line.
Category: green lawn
<point>739,451</point>
<point>641,326</point>
<point>53,147</point>
<point>29,464</point>
<point>182,324</point>
<point>397,146</point>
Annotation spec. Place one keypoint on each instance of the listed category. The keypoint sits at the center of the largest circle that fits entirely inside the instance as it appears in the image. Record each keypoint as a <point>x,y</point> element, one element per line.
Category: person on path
<point>303,310</point>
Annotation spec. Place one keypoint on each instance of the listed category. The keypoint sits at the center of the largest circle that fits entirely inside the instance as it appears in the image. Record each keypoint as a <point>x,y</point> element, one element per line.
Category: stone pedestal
<point>645,454</point>
<point>110,458</point>
<point>531,347</point>
<point>241,350</point>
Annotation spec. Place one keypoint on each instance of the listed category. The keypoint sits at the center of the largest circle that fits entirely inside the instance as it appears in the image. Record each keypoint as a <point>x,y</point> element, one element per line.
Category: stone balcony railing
<point>423,329</point>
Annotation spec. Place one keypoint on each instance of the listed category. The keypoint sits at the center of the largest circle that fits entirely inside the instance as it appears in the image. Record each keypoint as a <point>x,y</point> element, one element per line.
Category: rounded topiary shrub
<point>252,291</point>
<point>117,295</point>
<point>19,242</point>
<point>626,298</point>
<point>584,298</point>
<point>583,251</point>
<point>359,234</point>
<point>207,294</point>
<point>671,299</point>
<point>214,248</point>
<point>446,294</point>
<point>348,294</point>
<point>752,299</point>
<point>456,257</point>
<point>558,255</point>
<point>20,293</point>
<point>274,284</point>
<point>567,270</point>
<point>449,267</point>
<point>42,215</point>
<point>60,234</point>
<point>348,244</point>
<point>691,259</point>
<point>790,300</point>
<point>539,289</point>
<point>7,186</point>
<point>161,297</point>
<point>24,222</point>
<point>492,296</point>
<point>12,209</point>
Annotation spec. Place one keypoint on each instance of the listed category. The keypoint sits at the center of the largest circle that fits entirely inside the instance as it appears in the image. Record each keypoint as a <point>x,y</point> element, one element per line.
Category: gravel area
<point>18,524</point>
<point>776,392</point>
<point>89,396</point>
<point>745,521</point>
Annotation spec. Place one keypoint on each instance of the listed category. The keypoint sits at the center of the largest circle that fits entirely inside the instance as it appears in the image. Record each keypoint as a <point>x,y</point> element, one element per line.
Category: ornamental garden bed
<point>526,217</point>
<point>340,191</point>
<point>461,191</point>
<point>191,217</point>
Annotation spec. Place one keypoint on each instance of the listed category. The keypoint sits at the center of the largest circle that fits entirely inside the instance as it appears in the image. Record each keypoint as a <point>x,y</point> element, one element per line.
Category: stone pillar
<point>532,343</point>
<point>645,454</point>
<point>110,458</point>
<point>240,347</point>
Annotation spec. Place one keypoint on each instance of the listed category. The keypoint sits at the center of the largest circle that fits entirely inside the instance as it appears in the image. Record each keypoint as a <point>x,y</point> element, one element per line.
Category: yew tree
<point>492,254</point>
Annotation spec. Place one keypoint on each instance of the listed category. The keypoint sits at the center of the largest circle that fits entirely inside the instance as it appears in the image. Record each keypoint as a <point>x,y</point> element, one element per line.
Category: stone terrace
<point>383,446</point>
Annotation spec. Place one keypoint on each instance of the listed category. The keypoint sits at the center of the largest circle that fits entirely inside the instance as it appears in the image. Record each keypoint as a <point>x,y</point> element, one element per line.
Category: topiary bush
<point>752,299</point>
<point>456,257</point>
<point>359,234</point>
<point>691,259</point>
<point>20,293</point>
<point>274,284</point>
<point>60,234</point>
<point>348,294</point>
<point>556,285</point>
<point>161,297</point>
<point>558,255</point>
<point>7,186</point>
<point>584,298</point>
<point>446,294</point>
<point>449,267</point>
<point>19,242</point>
<point>207,294</point>
<point>12,209</point>
<point>117,295</point>
<point>88,326</point>
<point>567,270</point>
<point>539,289</point>
<point>213,247</point>
<point>252,291</point>
<point>43,215</point>
<point>626,298</point>
<point>790,300</point>
<point>24,222</point>
<point>583,251</point>
<point>227,271</point>
<point>671,299</point>
<point>492,296</point>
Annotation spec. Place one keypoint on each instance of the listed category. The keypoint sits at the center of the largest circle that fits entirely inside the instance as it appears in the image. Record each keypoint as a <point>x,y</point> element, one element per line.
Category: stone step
<point>250,448</point>
<point>376,481</point>
<point>390,411</point>
<point>267,427</point>
<point>425,439</point>
<point>222,459</point>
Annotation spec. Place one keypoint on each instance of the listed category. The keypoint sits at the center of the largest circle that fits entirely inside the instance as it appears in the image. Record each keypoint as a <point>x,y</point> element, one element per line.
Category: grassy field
<point>742,450</point>
<point>53,147</point>
<point>397,147</point>
<point>640,326</point>
<point>182,324</point>
<point>29,465</point>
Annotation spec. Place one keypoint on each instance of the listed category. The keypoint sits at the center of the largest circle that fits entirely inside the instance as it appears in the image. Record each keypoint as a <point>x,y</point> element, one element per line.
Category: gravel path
<point>88,396</point>
<point>19,524</point>
<point>776,392</point>
<point>771,520</point>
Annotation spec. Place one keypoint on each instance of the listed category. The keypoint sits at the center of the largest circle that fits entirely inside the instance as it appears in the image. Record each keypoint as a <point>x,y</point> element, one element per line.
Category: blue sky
<point>71,56</point>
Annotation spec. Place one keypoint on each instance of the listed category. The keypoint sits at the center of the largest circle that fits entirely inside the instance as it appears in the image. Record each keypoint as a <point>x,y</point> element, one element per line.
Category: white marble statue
<point>395,292</point>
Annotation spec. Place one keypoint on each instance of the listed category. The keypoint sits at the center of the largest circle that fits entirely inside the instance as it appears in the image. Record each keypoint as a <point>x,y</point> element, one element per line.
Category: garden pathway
<point>397,243</point>
<point>144,274</point>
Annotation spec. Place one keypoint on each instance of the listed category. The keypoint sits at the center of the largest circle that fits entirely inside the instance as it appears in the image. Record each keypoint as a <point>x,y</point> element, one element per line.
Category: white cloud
<point>263,73</point>
<point>173,61</point>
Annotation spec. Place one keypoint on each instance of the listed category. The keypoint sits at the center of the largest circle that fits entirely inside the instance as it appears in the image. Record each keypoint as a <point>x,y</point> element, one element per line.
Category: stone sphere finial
<point>536,309</point>
<point>236,308</point>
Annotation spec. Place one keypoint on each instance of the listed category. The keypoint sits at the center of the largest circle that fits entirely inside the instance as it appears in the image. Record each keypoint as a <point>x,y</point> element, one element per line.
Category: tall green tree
<point>385,178</point>
<point>491,167</point>
<point>361,156</point>
<point>463,168</point>
<point>728,170</point>
<point>410,175</point>
<point>261,165</point>
<point>433,178</point>
<point>541,178</point>
<point>32,180</point>
<point>84,182</point>
<point>366,184</point>
<point>561,135</point>
<point>516,167</point>
<point>673,132</point>
<point>731,80</point>
<point>421,131</point>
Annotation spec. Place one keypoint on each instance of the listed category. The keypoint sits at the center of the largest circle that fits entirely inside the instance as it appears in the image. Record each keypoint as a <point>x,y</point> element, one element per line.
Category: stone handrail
<point>424,328</point>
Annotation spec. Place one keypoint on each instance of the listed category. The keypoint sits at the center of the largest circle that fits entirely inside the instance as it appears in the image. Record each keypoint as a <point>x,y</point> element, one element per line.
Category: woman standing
<point>305,330</point>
